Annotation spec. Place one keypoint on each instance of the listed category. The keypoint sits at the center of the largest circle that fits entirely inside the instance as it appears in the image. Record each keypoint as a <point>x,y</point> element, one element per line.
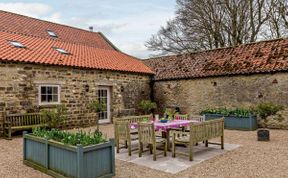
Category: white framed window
<point>52,34</point>
<point>49,94</point>
<point>62,51</point>
<point>17,44</point>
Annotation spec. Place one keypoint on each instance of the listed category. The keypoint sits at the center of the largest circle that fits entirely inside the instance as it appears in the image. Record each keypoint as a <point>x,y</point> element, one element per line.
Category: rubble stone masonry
<point>194,95</point>
<point>19,84</point>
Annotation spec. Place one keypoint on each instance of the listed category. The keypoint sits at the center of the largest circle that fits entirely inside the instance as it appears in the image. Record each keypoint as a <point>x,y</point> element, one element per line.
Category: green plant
<point>238,112</point>
<point>266,109</point>
<point>146,106</point>
<point>222,111</point>
<point>97,106</point>
<point>68,138</point>
<point>170,112</point>
<point>242,112</point>
<point>55,116</point>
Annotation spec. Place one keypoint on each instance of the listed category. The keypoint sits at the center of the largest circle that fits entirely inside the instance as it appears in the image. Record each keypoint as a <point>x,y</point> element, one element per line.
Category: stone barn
<point>229,77</point>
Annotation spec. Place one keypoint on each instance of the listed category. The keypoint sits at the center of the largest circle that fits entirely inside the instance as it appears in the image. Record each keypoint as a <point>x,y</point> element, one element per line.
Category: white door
<point>104,94</point>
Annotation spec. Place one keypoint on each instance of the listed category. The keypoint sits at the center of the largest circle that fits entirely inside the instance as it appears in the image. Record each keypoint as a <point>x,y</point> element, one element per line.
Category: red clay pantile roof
<point>41,51</point>
<point>260,57</point>
<point>20,24</point>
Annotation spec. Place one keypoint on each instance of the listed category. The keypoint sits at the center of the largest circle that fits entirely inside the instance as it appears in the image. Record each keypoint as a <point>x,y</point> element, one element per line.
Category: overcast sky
<point>127,23</point>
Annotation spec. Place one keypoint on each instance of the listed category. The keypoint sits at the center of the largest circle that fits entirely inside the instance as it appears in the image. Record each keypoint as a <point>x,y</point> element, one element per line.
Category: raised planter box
<point>235,123</point>
<point>59,160</point>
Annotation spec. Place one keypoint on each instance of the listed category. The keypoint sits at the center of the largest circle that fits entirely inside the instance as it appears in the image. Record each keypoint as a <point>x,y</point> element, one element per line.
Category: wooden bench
<point>17,122</point>
<point>198,132</point>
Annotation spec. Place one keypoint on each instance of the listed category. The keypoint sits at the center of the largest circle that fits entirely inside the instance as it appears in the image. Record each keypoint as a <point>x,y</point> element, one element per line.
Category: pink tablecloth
<point>170,124</point>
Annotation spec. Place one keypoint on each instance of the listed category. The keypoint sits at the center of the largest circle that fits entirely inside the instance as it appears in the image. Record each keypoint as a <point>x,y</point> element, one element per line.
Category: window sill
<point>50,105</point>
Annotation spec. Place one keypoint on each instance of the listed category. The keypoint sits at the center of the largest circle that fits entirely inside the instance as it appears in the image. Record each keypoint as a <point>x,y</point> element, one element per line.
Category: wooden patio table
<point>165,127</point>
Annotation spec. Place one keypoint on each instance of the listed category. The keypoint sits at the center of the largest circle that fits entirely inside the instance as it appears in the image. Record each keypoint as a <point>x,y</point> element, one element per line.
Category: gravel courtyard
<point>252,159</point>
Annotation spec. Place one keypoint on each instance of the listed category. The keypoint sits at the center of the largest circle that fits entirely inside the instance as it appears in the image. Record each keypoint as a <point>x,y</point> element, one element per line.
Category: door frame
<point>108,120</point>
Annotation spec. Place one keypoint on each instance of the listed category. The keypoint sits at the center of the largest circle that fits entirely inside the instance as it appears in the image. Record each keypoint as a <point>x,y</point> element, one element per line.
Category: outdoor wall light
<point>275,81</point>
<point>122,89</point>
<point>260,95</point>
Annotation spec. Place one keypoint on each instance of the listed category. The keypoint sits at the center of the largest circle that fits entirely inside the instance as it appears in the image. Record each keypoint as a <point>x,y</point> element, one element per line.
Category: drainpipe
<point>152,98</point>
<point>152,82</point>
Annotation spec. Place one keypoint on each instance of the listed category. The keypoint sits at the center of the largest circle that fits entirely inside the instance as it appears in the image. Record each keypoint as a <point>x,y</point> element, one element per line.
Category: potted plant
<point>65,154</point>
<point>170,112</point>
<point>97,106</point>
<point>54,117</point>
<point>146,106</point>
<point>238,119</point>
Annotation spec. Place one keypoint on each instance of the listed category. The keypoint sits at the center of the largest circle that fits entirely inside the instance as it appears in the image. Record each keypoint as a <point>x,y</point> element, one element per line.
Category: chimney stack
<point>91,29</point>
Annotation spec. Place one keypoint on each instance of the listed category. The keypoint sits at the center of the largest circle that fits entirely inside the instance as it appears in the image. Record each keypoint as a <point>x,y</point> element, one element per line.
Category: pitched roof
<point>89,51</point>
<point>42,51</point>
<point>259,57</point>
<point>20,24</point>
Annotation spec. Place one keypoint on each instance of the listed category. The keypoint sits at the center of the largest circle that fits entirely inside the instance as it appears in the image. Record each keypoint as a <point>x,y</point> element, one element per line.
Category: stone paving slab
<point>174,165</point>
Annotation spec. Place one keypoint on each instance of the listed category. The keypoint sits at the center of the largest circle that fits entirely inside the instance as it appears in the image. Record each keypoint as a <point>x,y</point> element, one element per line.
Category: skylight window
<point>17,44</point>
<point>52,34</point>
<point>62,51</point>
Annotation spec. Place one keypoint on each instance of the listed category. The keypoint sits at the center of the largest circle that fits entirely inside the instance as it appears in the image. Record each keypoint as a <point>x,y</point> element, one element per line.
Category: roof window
<point>52,34</point>
<point>62,51</point>
<point>17,44</point>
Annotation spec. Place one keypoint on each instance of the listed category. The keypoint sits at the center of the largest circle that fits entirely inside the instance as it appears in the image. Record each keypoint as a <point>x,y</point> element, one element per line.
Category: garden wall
<point>19,89</point>
<point>194,95</point>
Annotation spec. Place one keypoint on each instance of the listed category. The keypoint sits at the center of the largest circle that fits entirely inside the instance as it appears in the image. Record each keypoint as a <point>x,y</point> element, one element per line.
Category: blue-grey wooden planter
<point>59,160</point>
<point>236,123</point>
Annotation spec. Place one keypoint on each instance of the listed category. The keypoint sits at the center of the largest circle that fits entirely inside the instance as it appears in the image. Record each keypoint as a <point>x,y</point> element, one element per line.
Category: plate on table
<point>164,120</point>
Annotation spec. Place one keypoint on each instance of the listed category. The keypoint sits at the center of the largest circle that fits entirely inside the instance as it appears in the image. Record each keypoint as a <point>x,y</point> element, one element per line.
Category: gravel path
<point>252,159</point>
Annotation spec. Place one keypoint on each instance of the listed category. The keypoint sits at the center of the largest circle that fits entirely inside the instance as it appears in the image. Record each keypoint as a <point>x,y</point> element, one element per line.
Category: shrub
<point>55,116</point>
<point>146,106</point>
<point>97,106</point>
<point>266,109</point>
<point>68,138</point>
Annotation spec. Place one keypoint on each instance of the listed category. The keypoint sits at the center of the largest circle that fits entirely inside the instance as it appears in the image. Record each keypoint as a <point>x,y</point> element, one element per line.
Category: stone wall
<point>19,89</point>
<point>195,95</point>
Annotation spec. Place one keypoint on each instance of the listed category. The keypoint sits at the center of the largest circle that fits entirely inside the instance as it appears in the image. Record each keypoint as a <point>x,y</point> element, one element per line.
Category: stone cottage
<point>43,64</point>
<point>229,77</point>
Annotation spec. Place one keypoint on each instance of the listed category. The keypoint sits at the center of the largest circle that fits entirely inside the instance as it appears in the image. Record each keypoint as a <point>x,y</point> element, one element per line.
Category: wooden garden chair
<point>146,133</point>
<point>123,136</point>
<point>198,118</point>
<point>135,119</point>
<point>195,118</point>
<point>198,132</point>
<point>181,117</point>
